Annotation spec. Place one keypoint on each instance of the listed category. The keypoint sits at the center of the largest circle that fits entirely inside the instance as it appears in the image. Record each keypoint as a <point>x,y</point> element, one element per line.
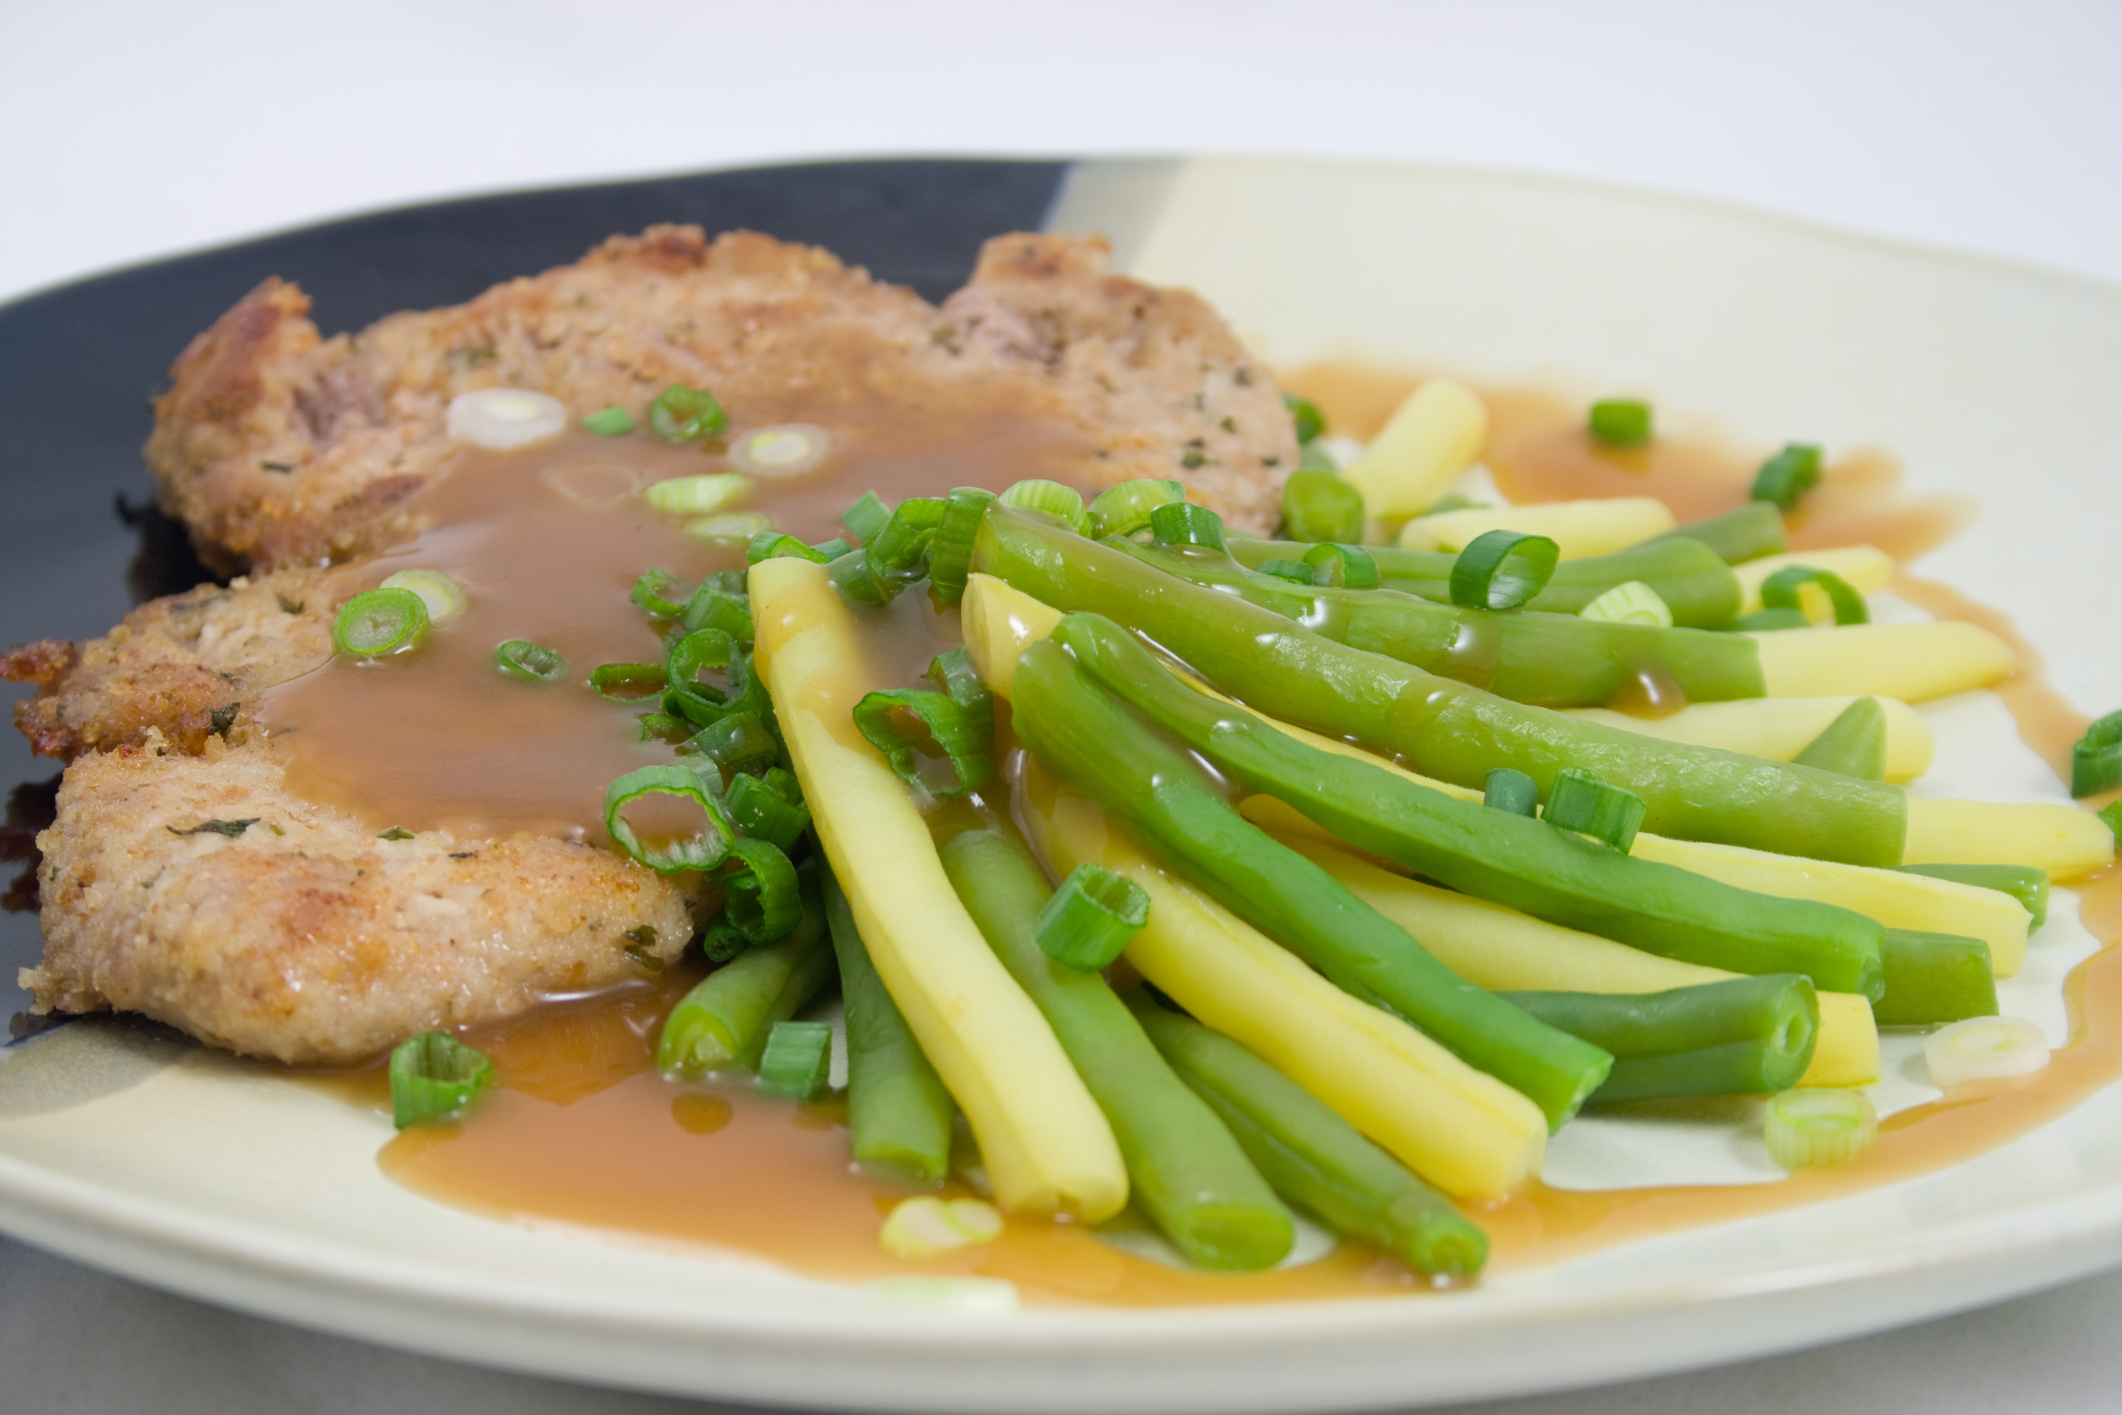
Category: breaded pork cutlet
<point>184,879</point>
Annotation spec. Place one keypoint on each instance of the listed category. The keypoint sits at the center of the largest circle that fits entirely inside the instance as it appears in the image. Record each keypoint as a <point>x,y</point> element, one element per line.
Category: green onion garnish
<point>784,450</point>
<point>955,673</point>
<point>797,1059</point>
<point>900,550</point>
<point>858,583</point>
<point>950,550</point>
<point>534,663</point>
<point>763,813</point>
<point>1580,801</point>
<point>1184,523</point>
<point>376,622</point>
<point>1038,494</point>
<point>1318,506</point>
<point>703,850</point>
<point>1124,509</point>
<point>1762,621</point>
<point>925,1226</point>
<point>1984,1049</point>
<point>1091,918</point>
<point>737,743</point>
<point>445,598</point>
<point>661,593</point>
<point>1620,422</point>
<point>433,1076</point>
<point>1788,475</point>
<point>628,682</point>
<point>1305,415</point>
<point>2096,758</point>
<point>1630,602</point>
<point>730,528</point>
<point>720,941</point>
<point>1818,1126</point>
<point>1343,566</point>
<point>866,517</point>
<point>763,901</point>
<point>965,735</point>
<point>1785,590</point>
<point>614,421</point>
<point>2111,813</point>
<point>682,414</point>
<point>772,545</point>
<point>713,607</point>
<point>831,549</point>
<point>698,494</point>
<point>1295,571</point>
<point>1502,570</point>
<point>1508,789</point>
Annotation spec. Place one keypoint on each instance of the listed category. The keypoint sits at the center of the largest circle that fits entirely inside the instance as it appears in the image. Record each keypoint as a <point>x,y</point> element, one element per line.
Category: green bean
<point>1854,744</point>
<point>898,1112</point>
<point>726,1017</point>
<point>1559,660</point>
<point>1313,1157</point>
<point>1441,728</point>
<point>1090,740</point>
<point>1530,865</point>
<point>1934,978</point>
<point>1186,1171</point>
<point>1696,585</point>
<point>2022,882</point>
<point>1740,1037</point>
<point>1747,533</point>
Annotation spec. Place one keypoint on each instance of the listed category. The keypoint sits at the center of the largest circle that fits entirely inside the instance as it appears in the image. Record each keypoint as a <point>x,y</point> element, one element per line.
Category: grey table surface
<point>142,129</point>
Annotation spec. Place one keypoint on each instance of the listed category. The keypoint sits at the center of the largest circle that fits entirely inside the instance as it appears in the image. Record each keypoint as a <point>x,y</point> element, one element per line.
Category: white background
<point>132,131</point>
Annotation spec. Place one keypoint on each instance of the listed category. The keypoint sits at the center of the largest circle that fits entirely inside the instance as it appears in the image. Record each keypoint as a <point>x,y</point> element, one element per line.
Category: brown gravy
<point>581,1129</point>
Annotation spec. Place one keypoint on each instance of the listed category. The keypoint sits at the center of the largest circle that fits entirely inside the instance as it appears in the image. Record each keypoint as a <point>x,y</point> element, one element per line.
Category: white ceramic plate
<point>185,1169</point>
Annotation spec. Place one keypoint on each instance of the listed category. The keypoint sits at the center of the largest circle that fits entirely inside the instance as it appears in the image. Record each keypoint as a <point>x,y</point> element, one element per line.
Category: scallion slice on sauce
<point>1124,509</point>
<point>661,593</point>
<point>1814,1126</point>
<point>445,598</point>
<point>784,450</point>
<point>433,1076</point>
<point>1581,801</point>
<point>731,528</point>
<point>1317,505</point>
<point>614,421</point>
<point>1984,1049</point>
<point>762,901</point>
<point>500,419</point>
<point>763,813</point>
<point>533,663</point>
<point>380,621</point>
<point>796,1060</point>
<point>1342,566</point>
<point>900,549</point>
<point>702,850</point>
<point>1508,789</point>
<point>1038,494</point>
<point>1788,475</point>
<point>1786,589</point>
<point>772,545</point>
<point>966,735</point>
<point>1091,918</point>
<point>1184,523</point>
<point>950,550</point>
<point>1621,422</point>
<point>1630,602</point>
<point>698,494</point>
<point>866,516</point>
<point>2096,758</point>
<point>628,682</point>
<point>1502,569</point>
<point>681,414</point>
<point>858,582</point>
<point>925,1226</point>
<point>738,742</point>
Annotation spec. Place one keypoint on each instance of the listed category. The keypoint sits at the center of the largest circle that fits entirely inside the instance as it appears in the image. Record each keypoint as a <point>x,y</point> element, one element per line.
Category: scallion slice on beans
<point>1508,789</point>
<point>763,813</point>
<point>772,545</point>
<point>866,516</point>
<point>1038,494</point>
<point>713,607</point>
<point>1295,571</point>
<point>445,598</point>
<point>1184,523</point>
<point>1580,801</point>
<point>1091,918</point>
<point>1317,505</point>
<point>1124,509</point>
<point>796,1061</point>
<point>681,414</point>
<point>1788,475</point>
<point>698,494</point>
<point>380,621</point>
<point>1621,422</point>
<point>614,421</point>
<point>762,901</point>
<point>1984,1049</point>
<point>1813,1126</point>
<point>858,583</point>
<point>899,550</point>
<point>433,1076</point>
<point>2096,758</point>
<point>737,743</point>
<point>955,673</point>
<point>1342,566</point>
<point>966,735</point>
<point>1763,621</point>
<point>784,450</point>
<point>950,550</point>
<point>1630,602</point>
<point>533,663</point>
<point>1786,590</point>
<point>1306,418</point>
<point>702,850</point>
<point>1502,569</point>
<point>731,528</point>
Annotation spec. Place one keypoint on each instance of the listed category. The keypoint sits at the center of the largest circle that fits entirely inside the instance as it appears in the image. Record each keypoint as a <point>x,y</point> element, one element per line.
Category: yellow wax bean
<point>1912,662</point>
<point>1779,728</point>
<point>1579,527</point>
<point>2066,841</point>
<point>1431,438</point>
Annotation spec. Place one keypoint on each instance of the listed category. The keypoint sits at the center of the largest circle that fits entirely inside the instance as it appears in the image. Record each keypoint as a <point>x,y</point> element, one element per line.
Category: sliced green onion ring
<point>697,494</point>
<point>1502,570</point>
<point>900,549</point>
<point>433,1076</point>
<point>797,1059</point>
<point>955,673</point>
<point>1984,1049</point>
<point>783,450</point>
<point>763,813</point>
<point>763,901</point>
<point>737,743</point>
<point>731,528</point>
<point>1788,475</point>
<point>628,682</point>
<point>1763,621</point>
<point>713,607</point>
<point>2096,758</point>
<point>1786,590</point>
<point>966,736</point>
<point>502,419</point>
<point>1038,494</point>
<point>661,593</point>
<point>1184,523</point>
<point>1305,416</point>
<point>1814,1126</point>
<point>950,550</point>
<point>1630,602</point>
<point>703,850</point>
<point>1343,566</point>
<point>377,622</point>
<point>866,516</point>
<point>1508,789</point>
<point>1295,571</point>
<point>1317,505</point>
<point>1091,918</point>
<point>858,583</point>
<point>613,421</point>
<point>533,663</point>
<point>925,1226</point>
<point>1581,801</point>
<point>1621,422</point>
<point>772,545</point>
<point>1124,509</point>
<point>681,414</point>
<point>445,598</point>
